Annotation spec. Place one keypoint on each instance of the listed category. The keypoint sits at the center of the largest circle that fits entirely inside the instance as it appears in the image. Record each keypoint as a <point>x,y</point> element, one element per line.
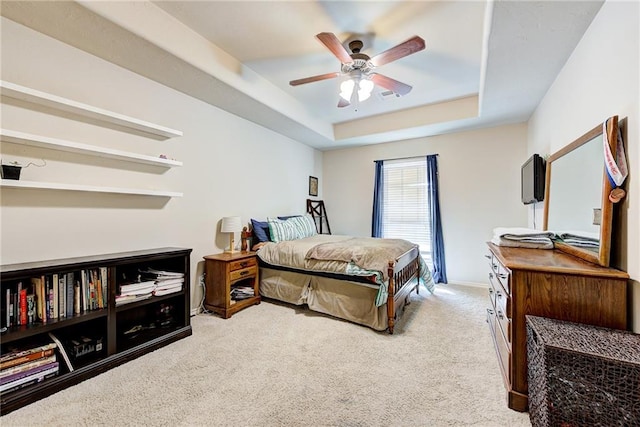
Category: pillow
<point>260,231</point>
<point>296,227</point>
<point>305,224</point>
<point>282,230</point>
<point>287,217</point>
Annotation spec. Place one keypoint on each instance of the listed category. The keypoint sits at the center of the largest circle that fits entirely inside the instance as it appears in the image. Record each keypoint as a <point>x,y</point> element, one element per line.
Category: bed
<point>363,280</point>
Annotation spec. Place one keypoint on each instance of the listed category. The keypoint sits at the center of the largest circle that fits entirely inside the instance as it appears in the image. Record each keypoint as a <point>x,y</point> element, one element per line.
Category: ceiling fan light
<point>366,86</point>
<point>363,95</point>
<point>346,89</point>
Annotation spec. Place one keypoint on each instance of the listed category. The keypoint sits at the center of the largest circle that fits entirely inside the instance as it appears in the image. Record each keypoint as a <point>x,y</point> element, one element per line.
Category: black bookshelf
<point>108,323</point>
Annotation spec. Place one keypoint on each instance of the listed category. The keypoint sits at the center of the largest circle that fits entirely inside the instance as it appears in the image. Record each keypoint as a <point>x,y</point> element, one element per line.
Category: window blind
<point>405,203</point>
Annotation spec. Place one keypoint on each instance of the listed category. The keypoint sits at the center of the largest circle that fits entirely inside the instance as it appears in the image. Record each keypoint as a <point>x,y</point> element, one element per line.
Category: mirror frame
<point>602,257</point>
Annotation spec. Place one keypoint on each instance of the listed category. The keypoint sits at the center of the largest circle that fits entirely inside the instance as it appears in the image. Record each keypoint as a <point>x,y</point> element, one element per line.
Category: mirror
<point>577,206</point>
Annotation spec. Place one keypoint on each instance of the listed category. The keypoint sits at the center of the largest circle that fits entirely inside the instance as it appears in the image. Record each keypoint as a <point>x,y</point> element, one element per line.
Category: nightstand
<point>231,282</point>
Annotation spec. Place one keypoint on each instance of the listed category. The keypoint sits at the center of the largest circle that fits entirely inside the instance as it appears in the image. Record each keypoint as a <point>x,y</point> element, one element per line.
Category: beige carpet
<point>278,365</point>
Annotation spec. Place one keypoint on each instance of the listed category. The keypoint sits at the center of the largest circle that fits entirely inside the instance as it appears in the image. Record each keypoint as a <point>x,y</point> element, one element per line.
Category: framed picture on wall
<point>313,186</point>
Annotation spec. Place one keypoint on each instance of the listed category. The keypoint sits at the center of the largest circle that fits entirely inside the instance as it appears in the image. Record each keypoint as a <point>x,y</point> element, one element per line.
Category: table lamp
<point>231,225</point>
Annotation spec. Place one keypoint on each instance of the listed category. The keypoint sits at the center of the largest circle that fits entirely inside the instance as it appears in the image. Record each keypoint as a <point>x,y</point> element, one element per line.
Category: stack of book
<point>242,292</point>
<point>167,282</point>
<point>130,292</point>
<point>22,368</point>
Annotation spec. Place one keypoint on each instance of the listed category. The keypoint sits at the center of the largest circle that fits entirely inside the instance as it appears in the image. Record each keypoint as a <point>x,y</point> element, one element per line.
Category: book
<point>16,357</point>
<point>62,295</point>
<point>30,382</point>
<point>27,373</point>
<point>76,297</point>
<point>160,292</point>
<point>62,351</point>
<point>38,286</point>
<point>126,299</point>
<point>28,365</point>
<point>105,285</point>
<point>40,376</point>
<point>23,307</point>
<point>55,300</point>
<point>70,303</point>
<point>16,305</point>
<point>31,309</point>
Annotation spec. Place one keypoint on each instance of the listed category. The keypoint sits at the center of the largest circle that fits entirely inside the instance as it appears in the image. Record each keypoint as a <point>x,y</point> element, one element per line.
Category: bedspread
<point>368,257</point>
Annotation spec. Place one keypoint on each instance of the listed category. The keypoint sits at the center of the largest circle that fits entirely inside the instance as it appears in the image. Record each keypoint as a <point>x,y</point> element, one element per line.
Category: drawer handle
<point>494,265</point>
<point>244,264</point>
<point>500,315</point>
<point>490,291</point>
<point>499,294</point>
<point>490,275</point>
<point>487,256</point>
<point>244,273</point>
<point>489,313</point>
<point>503,276</point>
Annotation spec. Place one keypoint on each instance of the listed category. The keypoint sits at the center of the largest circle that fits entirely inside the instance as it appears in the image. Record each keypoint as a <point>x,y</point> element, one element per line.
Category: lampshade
<point>231,224</point>
<point>364,87</point>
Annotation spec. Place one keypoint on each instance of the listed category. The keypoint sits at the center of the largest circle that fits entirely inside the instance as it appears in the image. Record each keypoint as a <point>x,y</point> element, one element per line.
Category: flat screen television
<point>532,182</point>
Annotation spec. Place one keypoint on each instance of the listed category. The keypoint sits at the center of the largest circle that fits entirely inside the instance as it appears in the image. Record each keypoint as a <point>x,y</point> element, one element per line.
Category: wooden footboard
<point>402,273</point>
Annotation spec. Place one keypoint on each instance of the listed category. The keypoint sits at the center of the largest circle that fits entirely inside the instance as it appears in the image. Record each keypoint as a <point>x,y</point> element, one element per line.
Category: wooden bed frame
<point>402,273</point>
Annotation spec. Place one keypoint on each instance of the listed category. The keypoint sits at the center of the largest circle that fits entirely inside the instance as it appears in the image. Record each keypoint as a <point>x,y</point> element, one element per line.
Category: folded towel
<point>542,243</point>
<point>581,243</point>
<point>582,235</point>
<point>518,232</point>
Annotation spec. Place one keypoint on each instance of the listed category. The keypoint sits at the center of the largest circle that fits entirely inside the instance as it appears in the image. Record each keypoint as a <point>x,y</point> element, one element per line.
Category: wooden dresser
<point>545,283</point>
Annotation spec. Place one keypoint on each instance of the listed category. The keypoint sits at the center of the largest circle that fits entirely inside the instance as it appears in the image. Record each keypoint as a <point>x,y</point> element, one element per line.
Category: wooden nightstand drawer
<point>243,263</point>
<point>243,274</point>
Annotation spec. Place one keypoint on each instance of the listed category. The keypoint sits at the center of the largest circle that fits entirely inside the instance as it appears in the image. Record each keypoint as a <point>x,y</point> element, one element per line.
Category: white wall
<point>598,81</point>
<point>231,166</point>
<point>479,190</point>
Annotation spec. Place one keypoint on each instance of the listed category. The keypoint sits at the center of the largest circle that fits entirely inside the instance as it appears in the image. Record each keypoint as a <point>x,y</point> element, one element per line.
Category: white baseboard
<point>470,284</point>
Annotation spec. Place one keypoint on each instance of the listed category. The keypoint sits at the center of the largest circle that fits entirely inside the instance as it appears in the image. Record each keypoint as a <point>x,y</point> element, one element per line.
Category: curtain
<point>439,272</point>
<point>376,220</point>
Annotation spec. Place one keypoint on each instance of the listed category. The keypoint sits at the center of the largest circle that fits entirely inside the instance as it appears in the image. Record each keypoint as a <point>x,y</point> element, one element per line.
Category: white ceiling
<point>484,64</point>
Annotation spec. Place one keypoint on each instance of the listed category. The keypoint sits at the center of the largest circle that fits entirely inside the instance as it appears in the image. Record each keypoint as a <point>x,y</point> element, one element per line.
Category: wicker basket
<point>582,375</point>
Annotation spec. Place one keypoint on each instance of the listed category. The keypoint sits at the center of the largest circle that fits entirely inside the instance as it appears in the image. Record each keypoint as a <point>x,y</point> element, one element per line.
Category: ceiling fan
<point>360,68</point>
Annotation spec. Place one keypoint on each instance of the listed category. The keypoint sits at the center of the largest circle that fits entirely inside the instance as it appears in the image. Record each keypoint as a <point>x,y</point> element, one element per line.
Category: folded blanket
<point>518,233</point>
<point>541,243</point>
<point>583,239</point>
<point>522,238</point>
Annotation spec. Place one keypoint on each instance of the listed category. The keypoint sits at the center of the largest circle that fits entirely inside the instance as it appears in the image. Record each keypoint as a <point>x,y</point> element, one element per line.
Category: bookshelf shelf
<point>44,99</point>
<point>163,319</point>
<point>9,183</point>
<point>40,141</point>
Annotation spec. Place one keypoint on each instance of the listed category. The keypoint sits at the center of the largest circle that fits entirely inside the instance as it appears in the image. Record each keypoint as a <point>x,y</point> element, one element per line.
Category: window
<point>405,203</point>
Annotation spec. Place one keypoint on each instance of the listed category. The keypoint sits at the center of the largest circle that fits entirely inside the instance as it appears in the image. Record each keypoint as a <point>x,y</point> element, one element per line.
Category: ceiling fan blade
<point>313,79</point>
<point>413,45</point>
<point>333,44</point>
<point>391,84</point>
<point>343,103</point>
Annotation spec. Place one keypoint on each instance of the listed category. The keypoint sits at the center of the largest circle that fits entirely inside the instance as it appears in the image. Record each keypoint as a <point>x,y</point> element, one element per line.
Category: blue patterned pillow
<point>260,231</point>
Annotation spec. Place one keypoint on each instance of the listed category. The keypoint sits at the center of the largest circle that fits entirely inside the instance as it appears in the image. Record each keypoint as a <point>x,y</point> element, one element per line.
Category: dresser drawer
<point>234,276</point>
<point>502,349</point>
<point>242,263</point>
<point>501,273</point>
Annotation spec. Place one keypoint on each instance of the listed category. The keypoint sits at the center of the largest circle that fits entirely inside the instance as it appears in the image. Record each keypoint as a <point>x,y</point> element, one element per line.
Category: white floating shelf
<point>16,137</point>
<point>8,183</point>
<point>13,90</point>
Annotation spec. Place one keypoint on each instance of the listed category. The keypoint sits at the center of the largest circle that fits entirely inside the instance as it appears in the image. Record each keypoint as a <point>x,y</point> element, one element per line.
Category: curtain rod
<point>409,157</point>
